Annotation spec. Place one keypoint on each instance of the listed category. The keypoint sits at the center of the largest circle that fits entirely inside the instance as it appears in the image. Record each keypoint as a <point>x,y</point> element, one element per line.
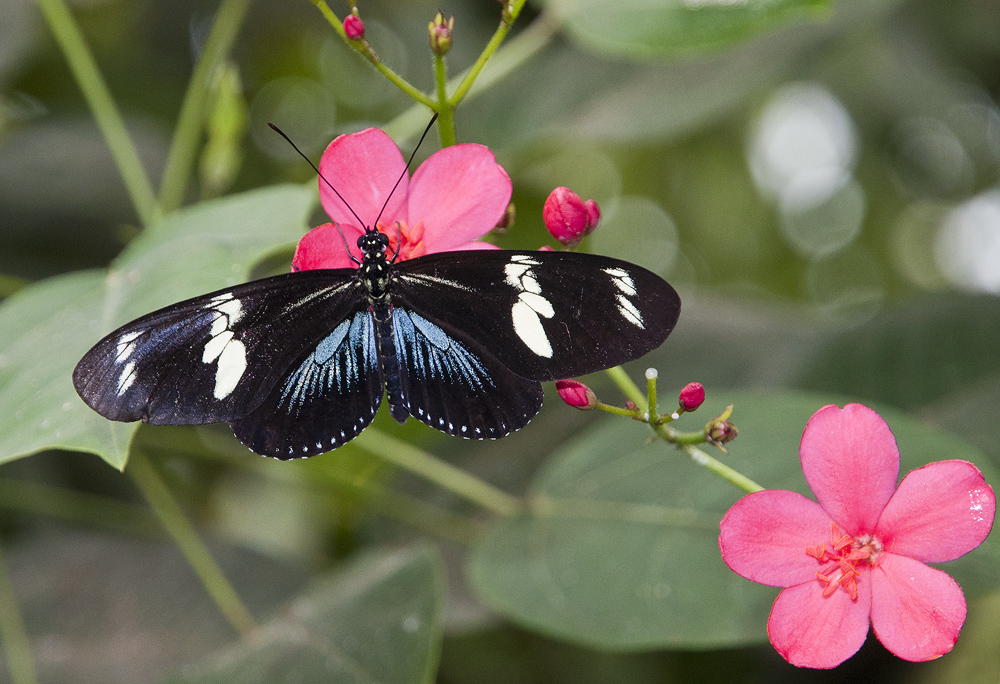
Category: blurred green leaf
<point>46,328</point>
<point>620,548</point>
<point>641,27</point>
<point>911,355</point>
<point>970,412</point>
<point>377,619</point>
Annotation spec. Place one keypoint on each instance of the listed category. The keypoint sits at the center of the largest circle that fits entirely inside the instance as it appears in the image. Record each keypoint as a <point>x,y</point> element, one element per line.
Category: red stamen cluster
<point>845,553</point>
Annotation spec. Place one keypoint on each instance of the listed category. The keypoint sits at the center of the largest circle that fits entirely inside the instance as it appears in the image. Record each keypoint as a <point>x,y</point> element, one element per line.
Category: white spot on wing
<point>232,309</point>
<point>232,365</point>
<point>216,345</point>
<point>538,304</point>
<point>126,345</point>
<point>622,280</point>
<point>126,378</point>
<point>528,327</point>
<point>629,311</point>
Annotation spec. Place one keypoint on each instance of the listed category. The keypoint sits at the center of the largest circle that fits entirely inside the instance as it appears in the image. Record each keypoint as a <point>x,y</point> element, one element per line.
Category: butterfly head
<point>373,242</point>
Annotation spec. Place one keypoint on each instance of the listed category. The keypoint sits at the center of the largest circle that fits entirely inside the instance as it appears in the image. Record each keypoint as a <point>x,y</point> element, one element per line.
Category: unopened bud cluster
<point>719,430</point>
<point>439,31</point>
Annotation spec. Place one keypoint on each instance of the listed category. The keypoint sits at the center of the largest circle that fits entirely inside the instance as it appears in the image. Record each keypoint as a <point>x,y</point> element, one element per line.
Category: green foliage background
<point>355,570</point>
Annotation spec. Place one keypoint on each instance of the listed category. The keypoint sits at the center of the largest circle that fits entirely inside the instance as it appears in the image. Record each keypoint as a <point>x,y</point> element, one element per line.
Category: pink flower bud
<point>576,394</point>
<point>546,248</point>
<point>568,217</point>
<point>692,396</point>
<point>354,27</point>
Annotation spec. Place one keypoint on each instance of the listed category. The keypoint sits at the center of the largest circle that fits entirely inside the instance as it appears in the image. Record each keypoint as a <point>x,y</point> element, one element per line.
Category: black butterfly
<point>296,363</point>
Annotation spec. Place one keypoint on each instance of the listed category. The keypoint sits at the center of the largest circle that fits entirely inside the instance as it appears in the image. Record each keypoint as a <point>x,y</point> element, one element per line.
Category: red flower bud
<point>692,396</point>
<point>576,394</point>
<point>568,217</point>
<point>354,27</point>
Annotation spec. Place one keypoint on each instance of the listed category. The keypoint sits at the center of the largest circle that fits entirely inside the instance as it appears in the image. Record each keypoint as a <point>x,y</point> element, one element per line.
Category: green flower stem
<point>191,121</point>
<point>109,120</point>
<point>365,51</point>
<point>470,75</point>
<point>186,537</point>
<point>445,110</point>
<point>651,375</point>
<point>455,480</point>
<point>627,387</point>
<point>516,52</point>
<point>16,647</point>
<point>619,411</point>
<point>721,469</point>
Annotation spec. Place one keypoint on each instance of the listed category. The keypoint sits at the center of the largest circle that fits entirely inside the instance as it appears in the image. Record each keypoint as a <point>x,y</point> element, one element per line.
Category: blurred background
<point>824,196</point>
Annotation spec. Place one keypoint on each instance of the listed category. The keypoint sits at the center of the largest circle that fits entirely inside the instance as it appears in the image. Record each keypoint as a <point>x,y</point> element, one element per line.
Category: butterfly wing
<point>452,383</point>
<point>323,400</point>
<point>216,357</point>
<point>542,315</point>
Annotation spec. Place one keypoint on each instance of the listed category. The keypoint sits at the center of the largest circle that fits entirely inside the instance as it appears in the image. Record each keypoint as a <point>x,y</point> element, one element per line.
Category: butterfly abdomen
<point>389,360</point>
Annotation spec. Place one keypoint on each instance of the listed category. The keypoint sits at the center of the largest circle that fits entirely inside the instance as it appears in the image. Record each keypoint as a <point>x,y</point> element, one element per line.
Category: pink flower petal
<point>850,460</point>
<point>917,611</point>
<point>765,534</point>
<point>812,630</point>
<point>460,193</point>
<point>938,513</point>
<point>475,244</point>
<point>323,247</point>
<point>363,167</point>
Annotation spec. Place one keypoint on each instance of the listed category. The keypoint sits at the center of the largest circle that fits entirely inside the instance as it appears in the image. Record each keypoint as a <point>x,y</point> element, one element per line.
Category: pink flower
<point>568,218</point>
<point>859,555</point>
<point>454,198</point>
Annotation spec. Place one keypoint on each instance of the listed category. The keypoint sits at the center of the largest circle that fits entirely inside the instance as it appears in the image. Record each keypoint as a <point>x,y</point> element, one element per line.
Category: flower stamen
<point>844,555</point>
<point>407,241</point>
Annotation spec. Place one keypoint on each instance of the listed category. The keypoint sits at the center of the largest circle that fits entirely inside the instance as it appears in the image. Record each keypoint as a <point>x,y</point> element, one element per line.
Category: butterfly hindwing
<point>453,384</point>
<point>543,315</point>
<point>324,400</point>
<point>216,357</point>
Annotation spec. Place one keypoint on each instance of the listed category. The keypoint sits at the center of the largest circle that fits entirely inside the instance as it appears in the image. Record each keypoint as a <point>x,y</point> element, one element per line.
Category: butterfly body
<point>298,363</point>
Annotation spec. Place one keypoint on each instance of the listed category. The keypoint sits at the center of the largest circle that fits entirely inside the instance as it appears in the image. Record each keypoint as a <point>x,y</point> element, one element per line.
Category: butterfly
<point>298,363</point>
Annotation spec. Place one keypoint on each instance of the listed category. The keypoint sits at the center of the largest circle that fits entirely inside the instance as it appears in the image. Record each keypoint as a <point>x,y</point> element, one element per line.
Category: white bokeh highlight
<point>967,249</point>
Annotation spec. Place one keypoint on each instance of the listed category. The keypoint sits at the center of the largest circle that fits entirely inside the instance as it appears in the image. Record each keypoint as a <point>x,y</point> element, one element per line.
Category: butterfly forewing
<point>217,357</point>
<point>543,315</point>
<point>452,383</point>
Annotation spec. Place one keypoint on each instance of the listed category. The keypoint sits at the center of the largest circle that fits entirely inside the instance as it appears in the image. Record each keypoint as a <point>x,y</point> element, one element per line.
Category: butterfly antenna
<point>407,168</point>
<point>322,177</point>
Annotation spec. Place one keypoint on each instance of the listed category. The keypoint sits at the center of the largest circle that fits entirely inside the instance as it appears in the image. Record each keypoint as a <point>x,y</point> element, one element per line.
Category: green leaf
<point>620,548</point>
<point>912,355</point>
<point>378,619</point>
<point>641,27</point>
<point>46,328</point>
